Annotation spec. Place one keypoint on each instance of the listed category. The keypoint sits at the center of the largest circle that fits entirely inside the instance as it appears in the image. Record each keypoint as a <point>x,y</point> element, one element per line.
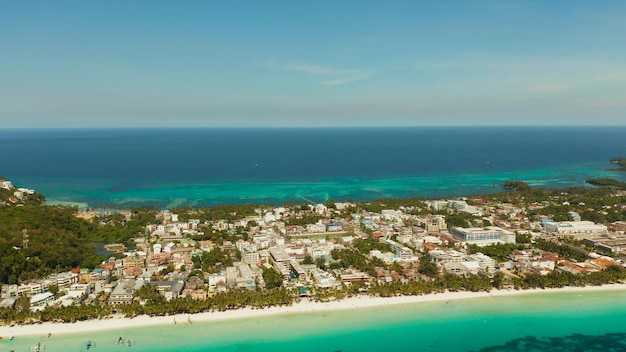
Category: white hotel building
<point>483,236</point>
<point>574,227</point>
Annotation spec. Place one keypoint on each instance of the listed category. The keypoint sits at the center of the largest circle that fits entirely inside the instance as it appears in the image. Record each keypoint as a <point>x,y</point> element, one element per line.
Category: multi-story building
<point>573,227</point>
<point>169,289</point>
<point>403,252</point>
<point>483,236</point>
<point>440,256</point>
<point>485,262</point>
<point>125,291</point>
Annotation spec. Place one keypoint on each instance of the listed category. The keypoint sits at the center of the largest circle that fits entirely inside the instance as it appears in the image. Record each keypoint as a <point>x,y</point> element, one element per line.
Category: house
<point>124,292</point>
<point>169,289</point>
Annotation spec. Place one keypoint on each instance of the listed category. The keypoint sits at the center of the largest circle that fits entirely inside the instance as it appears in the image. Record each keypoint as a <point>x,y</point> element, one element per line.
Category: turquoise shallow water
<point>203,167</point>
<point>172,194</point>
<point>588,321</point>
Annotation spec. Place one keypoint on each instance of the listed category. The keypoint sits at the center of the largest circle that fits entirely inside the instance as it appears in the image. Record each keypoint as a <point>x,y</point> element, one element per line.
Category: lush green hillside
<point>55,241</point>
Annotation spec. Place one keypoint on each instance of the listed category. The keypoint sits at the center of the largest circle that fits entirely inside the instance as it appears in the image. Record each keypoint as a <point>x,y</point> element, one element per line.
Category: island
<point>621,162</point>
<point>233,258</point>
<point>607,182</point>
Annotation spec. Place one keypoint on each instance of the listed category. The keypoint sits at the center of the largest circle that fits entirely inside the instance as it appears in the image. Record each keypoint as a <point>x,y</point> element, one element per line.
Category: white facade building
<point>570,227</point>
<point>483,236</point>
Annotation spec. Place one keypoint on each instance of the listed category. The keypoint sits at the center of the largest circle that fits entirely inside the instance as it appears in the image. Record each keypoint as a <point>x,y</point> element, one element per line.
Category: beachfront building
<point>216,280</point>
<point>124,292</point>
<point>351,276</point>
<point>40,300</point>
<point>169,289</point>
<point>245,278</point>
<point>485,262</point>
<point>483,236</point>
<point>281,261</point>
<point>324,279</point>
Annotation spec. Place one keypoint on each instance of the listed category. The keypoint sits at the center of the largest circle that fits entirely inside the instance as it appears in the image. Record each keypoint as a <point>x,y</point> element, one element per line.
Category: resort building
<point>402,252</point>
<point>281,261</point>
<point>445,256</point>
<point>169,289</point>
<point>432,223</point>
<point>40,300</point>
<point>124,292</point>
<point>569,228</point>
<point>483,236</point>
<point>485,262</point>
<point>324,279</point>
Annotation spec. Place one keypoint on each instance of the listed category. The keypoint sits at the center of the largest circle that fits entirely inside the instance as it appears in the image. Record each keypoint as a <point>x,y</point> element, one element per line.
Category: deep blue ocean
<point>198,167</point>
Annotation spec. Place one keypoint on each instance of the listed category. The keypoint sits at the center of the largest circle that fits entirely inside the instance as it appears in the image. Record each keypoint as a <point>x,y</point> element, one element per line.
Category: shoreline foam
<point>301,307</point>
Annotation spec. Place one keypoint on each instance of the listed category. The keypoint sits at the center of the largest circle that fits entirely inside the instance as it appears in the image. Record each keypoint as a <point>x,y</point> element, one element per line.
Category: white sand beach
<point>303,306</point>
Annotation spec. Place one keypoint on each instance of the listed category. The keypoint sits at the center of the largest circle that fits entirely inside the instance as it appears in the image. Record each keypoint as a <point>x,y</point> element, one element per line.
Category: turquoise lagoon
<point>107,192</point>
<point>550,321</point>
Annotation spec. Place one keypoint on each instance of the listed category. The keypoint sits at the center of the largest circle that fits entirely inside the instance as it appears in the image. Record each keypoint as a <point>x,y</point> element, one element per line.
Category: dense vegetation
<point>56,242</point>
<point>351,258</point>
<point>516,185</point>
<point>117,228</point>
<point>498,251</point>
<point>607,182</point>
<point>212,261</point>
<point>566,250</point>
<point>365,245</point>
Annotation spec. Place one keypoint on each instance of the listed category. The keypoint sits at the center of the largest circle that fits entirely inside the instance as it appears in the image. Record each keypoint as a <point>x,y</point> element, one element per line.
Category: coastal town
<point>313,250</point>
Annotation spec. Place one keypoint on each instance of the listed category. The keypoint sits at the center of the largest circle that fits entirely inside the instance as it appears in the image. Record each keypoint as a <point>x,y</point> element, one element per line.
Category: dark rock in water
<point>576,342</point>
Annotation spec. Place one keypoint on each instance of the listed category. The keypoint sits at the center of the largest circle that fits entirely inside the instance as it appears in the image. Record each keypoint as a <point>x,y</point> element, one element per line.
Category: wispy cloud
<point>336,82</point>
<point>313,69</point>
<point>331,76</point>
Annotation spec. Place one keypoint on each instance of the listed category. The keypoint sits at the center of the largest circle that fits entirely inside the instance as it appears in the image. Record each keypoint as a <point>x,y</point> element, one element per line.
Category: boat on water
<point>38,347</point>
<point>129,342</point>
<point>88,345</point>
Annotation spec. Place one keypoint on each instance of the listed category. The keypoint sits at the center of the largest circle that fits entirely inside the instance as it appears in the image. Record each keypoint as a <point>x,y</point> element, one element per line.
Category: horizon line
<point>294,127</point>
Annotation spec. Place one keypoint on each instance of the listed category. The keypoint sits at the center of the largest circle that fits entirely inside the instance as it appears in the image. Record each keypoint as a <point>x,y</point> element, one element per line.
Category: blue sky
<point>311,63</point>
